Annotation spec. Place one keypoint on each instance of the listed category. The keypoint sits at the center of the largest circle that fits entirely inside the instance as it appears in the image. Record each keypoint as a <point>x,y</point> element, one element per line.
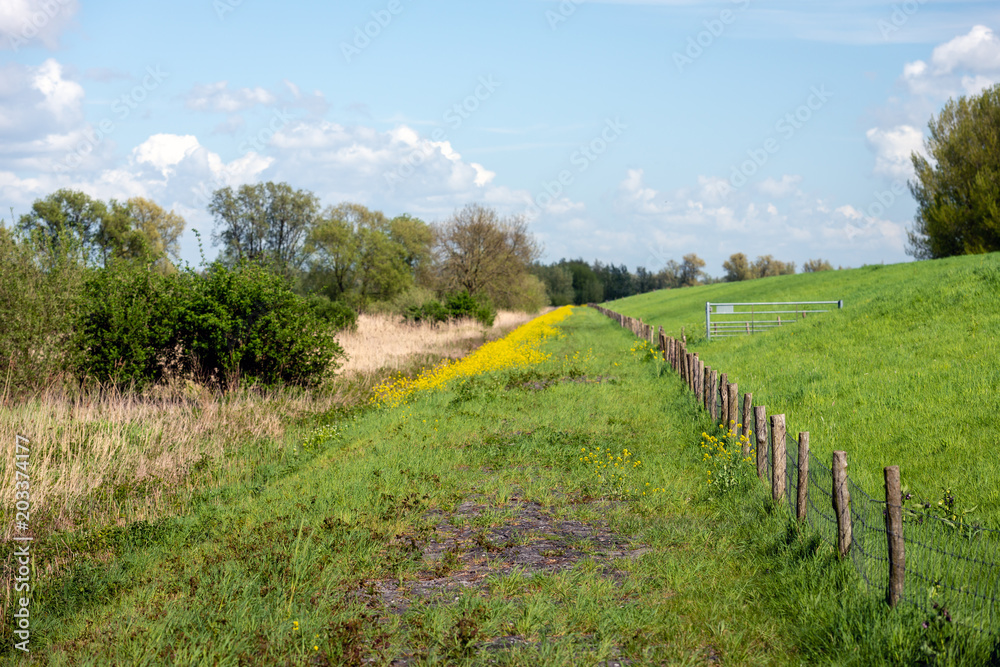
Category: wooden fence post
<point>760,433</point>
<point>803,474</point>
<point>778,460</point>
<point>747,418</point>
<point>706,384</point>
<point>894,533</point>
<point>724,397</point>
<point>713,397</point>
<point>694,375</point>
<point>842,502</point>
<point>734,407</point>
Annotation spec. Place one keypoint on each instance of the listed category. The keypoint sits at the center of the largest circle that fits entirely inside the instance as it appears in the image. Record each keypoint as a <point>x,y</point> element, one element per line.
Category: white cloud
<point>23,22</point>
<point>892,149</point>
<point>164,151</point>
<point>979,51</point>
<point>218,97</point>
<point>634,194</point>
<point>963,65</point>
<point>775,188</point>
<point>751,224</point>
<point>62,98</point>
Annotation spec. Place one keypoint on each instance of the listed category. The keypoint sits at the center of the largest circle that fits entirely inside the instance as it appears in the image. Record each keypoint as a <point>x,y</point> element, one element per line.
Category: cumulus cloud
<point>892,150</point>
<point>24,22</point>
<point>61,98</point>
<point>965,65</point>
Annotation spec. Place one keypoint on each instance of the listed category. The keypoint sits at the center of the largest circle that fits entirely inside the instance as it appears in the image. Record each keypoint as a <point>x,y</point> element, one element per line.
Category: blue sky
<point>630,131</point>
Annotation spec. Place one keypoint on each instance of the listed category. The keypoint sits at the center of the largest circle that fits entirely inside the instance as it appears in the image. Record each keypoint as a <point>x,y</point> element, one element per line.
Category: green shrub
<point>430,311</point>
<point>40,291</point>
<point>227,324</point>
<point>463,304</point>
<point>455,307</point>
<point>129,317</point>
<point>337,313</point>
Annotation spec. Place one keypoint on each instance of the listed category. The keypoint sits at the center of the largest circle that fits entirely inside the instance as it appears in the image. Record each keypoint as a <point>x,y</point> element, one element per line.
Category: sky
<point>629,131</point>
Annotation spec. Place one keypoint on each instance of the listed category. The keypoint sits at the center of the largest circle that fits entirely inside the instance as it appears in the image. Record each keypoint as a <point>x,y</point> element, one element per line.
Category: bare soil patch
<point>463,554</point>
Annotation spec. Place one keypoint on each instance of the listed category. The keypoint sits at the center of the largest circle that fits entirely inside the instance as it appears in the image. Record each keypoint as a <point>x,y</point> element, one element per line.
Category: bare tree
<point>484,253</point>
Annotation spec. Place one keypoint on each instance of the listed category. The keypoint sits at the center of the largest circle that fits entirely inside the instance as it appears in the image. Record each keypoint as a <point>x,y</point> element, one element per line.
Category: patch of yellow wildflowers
<point>519,349</point>
<point>723,456</point>
<point>644,350</point>
<point>612,468</point>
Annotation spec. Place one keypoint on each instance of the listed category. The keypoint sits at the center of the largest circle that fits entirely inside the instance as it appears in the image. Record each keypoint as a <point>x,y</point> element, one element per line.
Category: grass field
<point>480,521</point>
<point>905,374</point>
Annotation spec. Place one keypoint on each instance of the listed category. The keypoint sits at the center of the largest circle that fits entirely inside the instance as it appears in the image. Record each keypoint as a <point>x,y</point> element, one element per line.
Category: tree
<point>484,253</point>
<point>360,256</point>
<point>815,265</point>
<point>135,229</point>
<point>670,275</point>
<point>162,229</point>
<point>587,287</point>
<point>616,280</point>
<point>958,188</point>
<point>645,281</point>
<point>417,238</point>
<point>738,268</point>
<point>140,229</point>
<point>691,273</point>
<point>67,218</point>
<point>558,281</point>
<point>265,222</point>
<point>766,265</point>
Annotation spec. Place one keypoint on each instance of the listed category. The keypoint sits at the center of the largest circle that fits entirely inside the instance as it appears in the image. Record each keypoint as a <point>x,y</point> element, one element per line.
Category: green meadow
<point>478,525</point>
<point>906,374</point>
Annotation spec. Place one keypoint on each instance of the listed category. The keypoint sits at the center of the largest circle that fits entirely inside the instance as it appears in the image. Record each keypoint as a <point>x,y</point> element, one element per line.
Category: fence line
<point>947,569</point>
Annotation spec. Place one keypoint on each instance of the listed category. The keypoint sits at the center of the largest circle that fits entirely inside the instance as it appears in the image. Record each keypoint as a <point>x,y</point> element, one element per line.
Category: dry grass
<point>386,342</point>
<point>115,457</point>
<point>110,458</point>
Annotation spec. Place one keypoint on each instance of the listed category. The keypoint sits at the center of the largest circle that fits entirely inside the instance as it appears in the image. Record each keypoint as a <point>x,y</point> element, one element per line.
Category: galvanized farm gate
<point>740,319</point>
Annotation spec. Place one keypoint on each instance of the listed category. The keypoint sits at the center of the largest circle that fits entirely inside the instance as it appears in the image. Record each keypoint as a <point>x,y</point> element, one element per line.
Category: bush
<point>430,311</point>
<point>336,313</point>
<point>227,324</point>
<point>455,307</point>
<point>40,291</point>
<point>128,319</point>
<point>463,304</point>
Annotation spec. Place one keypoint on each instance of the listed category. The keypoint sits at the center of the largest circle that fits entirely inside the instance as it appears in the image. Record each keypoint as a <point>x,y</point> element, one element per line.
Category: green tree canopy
<point>265,223</point>
<point>691,270</point>
<point>738,268</point>
<point>70,221</point>
<point>358,255</point>
<point>957,186</point>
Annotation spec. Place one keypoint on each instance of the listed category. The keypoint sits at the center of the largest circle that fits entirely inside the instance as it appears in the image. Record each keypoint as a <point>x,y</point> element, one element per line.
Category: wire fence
<point>950,568</point>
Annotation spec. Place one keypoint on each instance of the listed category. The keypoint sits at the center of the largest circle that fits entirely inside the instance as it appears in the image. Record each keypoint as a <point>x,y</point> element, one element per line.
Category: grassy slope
<point>269,571</point>
<point>905,374</point>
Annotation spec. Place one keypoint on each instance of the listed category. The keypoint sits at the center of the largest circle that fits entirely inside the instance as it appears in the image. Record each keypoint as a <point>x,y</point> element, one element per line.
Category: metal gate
<point>742,319</point>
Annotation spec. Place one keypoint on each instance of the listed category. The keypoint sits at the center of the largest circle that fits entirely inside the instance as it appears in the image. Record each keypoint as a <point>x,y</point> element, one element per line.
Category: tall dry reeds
<point>387,342</point>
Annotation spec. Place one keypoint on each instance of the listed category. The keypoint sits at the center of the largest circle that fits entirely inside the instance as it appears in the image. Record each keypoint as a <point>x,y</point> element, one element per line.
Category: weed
<point>727,467</point>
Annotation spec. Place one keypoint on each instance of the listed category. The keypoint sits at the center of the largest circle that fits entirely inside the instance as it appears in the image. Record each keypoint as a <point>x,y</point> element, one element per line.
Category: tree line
<point>94,290</point>
<point>576,281</point>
